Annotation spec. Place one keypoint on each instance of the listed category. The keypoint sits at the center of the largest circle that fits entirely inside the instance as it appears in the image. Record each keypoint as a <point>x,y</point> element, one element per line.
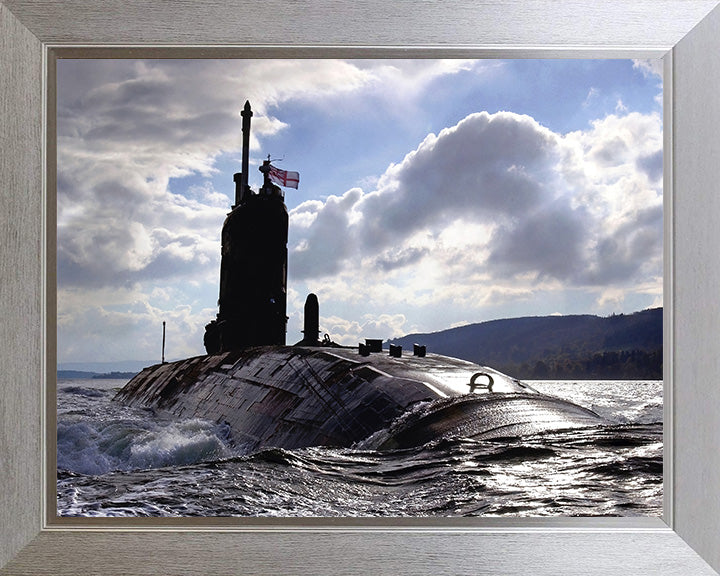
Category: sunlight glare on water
<point>115,461</point>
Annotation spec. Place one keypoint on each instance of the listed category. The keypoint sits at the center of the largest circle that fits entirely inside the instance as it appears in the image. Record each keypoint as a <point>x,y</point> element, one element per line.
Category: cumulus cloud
<point>126,130</point>
<point>496,208</point>
<point>118,323</point>
<point>325,245</point>
<point>498,201</point>
<point>487,168</point>
<point>346,331</point>
<point>650,67</point>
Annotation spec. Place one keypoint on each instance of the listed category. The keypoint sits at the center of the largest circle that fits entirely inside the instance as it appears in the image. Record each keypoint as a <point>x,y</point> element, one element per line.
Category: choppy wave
<point>98,448</point>
<point>550,474</point>
<point>115,461</point>
<point>84,391</point>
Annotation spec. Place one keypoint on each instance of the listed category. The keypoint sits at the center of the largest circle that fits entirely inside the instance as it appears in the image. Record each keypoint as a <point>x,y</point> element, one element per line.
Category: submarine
<point>270,394</point>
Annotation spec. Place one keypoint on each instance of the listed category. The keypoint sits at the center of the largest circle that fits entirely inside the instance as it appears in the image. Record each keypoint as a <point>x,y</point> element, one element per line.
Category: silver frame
<point>31,542</point>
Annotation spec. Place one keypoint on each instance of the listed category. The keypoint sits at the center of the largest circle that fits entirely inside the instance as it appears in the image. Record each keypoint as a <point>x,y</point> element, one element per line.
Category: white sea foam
<point>98,447</point>
<point>175,467</point>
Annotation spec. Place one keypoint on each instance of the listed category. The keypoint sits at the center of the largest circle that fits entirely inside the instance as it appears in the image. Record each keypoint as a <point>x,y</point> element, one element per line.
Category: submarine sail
<point>317,393</point>
<point>253,268</point>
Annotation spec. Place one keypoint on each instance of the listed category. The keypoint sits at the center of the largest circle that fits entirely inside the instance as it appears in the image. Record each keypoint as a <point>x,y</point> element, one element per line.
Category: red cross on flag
<point>283,178</point>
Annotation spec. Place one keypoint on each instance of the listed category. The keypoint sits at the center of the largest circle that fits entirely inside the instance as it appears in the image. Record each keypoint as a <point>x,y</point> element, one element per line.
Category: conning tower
<point>253,269</point>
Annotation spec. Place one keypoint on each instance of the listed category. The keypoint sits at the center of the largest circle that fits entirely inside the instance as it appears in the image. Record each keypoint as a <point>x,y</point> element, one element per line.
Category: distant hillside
<point>133,366</point>
<point>75,374</point>
<point>624,346</point>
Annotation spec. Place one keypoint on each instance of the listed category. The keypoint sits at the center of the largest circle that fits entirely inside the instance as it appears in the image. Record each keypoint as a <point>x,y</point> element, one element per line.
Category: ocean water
<point>118,461</point>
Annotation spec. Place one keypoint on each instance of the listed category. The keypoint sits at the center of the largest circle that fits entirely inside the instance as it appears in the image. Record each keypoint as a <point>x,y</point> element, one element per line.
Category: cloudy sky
<point>432,193</point>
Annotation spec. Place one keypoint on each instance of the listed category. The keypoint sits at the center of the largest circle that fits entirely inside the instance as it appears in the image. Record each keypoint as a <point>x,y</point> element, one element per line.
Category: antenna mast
<point>241,190</point>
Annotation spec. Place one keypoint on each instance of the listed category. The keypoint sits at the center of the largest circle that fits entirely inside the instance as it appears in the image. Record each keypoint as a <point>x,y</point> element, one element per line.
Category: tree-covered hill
<point>623,346</point>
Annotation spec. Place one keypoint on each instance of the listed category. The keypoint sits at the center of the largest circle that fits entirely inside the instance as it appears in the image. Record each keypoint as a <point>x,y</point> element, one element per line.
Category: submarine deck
<point>445,375</point>
<point>296,396</point>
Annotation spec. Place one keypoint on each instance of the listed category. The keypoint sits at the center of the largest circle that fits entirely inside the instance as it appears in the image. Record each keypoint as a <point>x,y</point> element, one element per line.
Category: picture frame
<point>684,31</point>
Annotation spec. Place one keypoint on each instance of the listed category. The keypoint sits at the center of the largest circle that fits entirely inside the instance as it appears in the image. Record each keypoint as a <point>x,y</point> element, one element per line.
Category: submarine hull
<point>483,417</point>
<point>295,396</point>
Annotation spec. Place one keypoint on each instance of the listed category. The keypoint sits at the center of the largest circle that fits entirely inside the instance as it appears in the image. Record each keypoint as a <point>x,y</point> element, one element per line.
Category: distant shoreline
<point>572,347</point>
<point>81,374</point>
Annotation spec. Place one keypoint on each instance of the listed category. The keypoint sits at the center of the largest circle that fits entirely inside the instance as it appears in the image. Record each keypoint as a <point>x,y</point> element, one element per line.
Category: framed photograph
<point>33,539</point>
<point>437,196</point>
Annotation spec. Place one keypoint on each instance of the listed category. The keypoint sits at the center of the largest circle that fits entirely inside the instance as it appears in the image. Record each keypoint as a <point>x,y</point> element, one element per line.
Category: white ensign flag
<point>283,178</point>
